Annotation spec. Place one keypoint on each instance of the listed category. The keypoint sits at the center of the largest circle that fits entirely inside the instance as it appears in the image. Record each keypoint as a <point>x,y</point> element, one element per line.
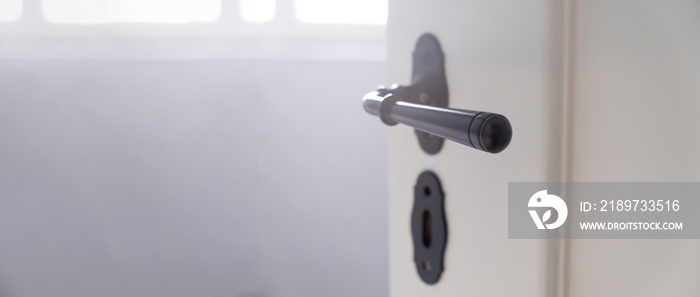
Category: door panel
<point>595,91</point>
<point>636,100</point>
<point>494,62</point>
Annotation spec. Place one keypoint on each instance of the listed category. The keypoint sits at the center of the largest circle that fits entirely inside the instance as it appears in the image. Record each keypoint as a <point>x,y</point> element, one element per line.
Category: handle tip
<point>495,133</point>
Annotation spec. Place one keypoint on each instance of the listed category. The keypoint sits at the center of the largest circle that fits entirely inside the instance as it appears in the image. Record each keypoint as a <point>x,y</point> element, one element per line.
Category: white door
<point>594,91</point>
<point>636,100</point>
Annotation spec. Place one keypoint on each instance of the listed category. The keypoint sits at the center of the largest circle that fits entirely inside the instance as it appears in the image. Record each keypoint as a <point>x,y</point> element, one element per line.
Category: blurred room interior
<point>191,148</point>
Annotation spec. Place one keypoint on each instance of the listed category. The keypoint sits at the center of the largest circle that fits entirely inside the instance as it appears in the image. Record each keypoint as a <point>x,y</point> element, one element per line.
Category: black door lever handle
<point>423,106</point>
<point>484,131</point>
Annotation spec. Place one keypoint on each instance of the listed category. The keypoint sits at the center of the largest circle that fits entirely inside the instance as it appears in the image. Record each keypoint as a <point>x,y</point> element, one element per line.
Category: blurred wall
<point>191,178</point>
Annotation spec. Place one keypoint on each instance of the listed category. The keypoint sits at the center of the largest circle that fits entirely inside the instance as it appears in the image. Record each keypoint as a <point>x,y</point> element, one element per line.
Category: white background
<point>210,159</point>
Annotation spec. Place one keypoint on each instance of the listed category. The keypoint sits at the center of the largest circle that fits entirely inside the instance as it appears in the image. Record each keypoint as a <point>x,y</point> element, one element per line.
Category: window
<point>342,11</point>
<point>10,10</point>
<point>257,10</point>
<point>317,20</point>
<point>131,11</point>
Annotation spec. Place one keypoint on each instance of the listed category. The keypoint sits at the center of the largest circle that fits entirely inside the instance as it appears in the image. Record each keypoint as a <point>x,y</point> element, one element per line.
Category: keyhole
<point>426,191</point>
<point>427,229</point>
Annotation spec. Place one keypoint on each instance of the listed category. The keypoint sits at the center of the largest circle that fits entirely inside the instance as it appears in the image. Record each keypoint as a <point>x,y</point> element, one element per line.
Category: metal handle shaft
<point>484,131</point>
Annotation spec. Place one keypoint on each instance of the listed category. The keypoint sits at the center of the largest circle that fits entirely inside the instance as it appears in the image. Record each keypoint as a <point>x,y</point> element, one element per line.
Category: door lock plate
<point>429,227</point>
